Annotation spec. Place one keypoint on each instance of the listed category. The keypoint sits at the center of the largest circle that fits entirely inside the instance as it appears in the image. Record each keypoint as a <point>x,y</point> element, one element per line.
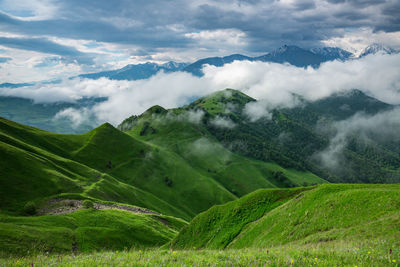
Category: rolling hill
<point>173,169</point>
<point>296,137</point>
<point>105,163</point>
<point>327,214</point>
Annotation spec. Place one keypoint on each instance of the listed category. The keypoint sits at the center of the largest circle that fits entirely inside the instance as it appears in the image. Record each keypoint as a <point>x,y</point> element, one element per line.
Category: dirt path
<point>65,206</point>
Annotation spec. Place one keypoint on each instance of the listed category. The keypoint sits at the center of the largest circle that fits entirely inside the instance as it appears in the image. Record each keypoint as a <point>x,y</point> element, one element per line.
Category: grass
<point>327,213</point>
<point>220,225</point>
<point>217,103</point>
<point>85,230</point>
<point>344,255</point>
<point>173,131</point>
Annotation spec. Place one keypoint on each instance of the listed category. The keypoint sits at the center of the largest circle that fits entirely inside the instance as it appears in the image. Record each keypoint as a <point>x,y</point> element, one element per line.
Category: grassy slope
<point>174,131</point>
<point>179,170</point>
<point>221,224</point>
<point>351,213</point>
<point>39,164</point>
<point>83,231</point>
<point>323,215</point>
<point>136,174</point>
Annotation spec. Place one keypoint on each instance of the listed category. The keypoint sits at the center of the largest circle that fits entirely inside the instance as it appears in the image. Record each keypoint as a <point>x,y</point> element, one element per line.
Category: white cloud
<point>76,116</point>
<point>226,36</point>
<point>272,83</point>
<point>257,110</point>
<point>356,40</point>
<point>31,9</point>
<point>383,126</point>
<point>204,147</point>
<point>222,122</point>
<point>23,67</point>
<point>192,116</point>
<point>276,83</point>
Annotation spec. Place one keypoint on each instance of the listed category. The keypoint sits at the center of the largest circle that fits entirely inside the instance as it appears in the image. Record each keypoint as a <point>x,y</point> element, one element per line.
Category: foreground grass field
<point>85,230</point>
<point>373,254</point>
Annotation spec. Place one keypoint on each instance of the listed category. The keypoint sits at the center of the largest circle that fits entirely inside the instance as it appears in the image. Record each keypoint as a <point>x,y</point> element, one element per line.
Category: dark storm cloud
<point>92,30</point>
<point>46,46</point>
<point>153,24</point>
<point>359,3</point>
<point>304,5</point>
<point>392,16</point>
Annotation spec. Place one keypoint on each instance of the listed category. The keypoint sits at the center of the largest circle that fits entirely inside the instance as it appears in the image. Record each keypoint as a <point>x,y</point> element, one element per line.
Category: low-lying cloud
<point>384,126</point>
<point>274,84</point>
<point>222,122</point>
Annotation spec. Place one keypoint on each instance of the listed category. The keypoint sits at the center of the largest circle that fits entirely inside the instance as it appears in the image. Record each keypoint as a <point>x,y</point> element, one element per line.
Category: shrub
<point>168,181</point>
<point>88,204</point>
<point>30,208</point>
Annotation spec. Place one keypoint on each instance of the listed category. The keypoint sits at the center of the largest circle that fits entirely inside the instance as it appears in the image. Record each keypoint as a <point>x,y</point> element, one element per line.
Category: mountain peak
<point>377,48</point>
<point>221,101</point>
<point>156,109</point>
<point>332,53</point>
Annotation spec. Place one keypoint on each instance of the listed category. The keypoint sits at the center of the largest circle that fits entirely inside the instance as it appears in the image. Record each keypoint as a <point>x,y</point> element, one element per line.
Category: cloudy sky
<point>48,39</point>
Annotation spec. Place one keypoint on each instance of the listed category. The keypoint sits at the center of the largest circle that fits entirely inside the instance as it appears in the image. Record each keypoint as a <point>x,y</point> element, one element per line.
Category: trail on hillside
<point>65,206</point>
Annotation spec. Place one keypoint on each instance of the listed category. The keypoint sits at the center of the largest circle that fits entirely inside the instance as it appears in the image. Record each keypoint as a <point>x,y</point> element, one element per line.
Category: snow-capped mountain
<point>291,54</point>
<point>136,71</point>
<point>332,53</point>
<point>377,48</point>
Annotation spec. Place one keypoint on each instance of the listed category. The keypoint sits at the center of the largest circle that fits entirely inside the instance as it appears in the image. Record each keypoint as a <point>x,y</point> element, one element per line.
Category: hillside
<point>140,183</point>
<point>172,175</point>
<point>84,230</point>
<point>296,137</point>
<point>325,215</point>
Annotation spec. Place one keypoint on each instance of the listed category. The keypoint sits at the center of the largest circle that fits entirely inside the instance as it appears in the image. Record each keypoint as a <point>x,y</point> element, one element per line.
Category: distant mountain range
<point>293,55</point>
<point>136,72</point>
<point>377,48</point>
<point>290,54</point>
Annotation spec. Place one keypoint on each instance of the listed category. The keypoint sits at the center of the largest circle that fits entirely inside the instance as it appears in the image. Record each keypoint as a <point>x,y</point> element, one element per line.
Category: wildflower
<point>173,252</point>
<point>316,259</point>
<point>292,261</point>
<point>369,252</point>
<point>140,251</point>
<point>393,260</point>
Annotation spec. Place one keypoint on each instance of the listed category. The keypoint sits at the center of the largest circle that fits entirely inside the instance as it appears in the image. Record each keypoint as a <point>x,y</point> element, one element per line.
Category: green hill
<point>39,165</point>
<point>178,169</point>
<point>172,175</point>
<point>83,231</point>
<point>323,215</point>
<point>295,137</point>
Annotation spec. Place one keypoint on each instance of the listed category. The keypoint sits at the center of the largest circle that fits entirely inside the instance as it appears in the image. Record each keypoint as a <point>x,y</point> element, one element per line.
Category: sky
<point>52,39</point>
